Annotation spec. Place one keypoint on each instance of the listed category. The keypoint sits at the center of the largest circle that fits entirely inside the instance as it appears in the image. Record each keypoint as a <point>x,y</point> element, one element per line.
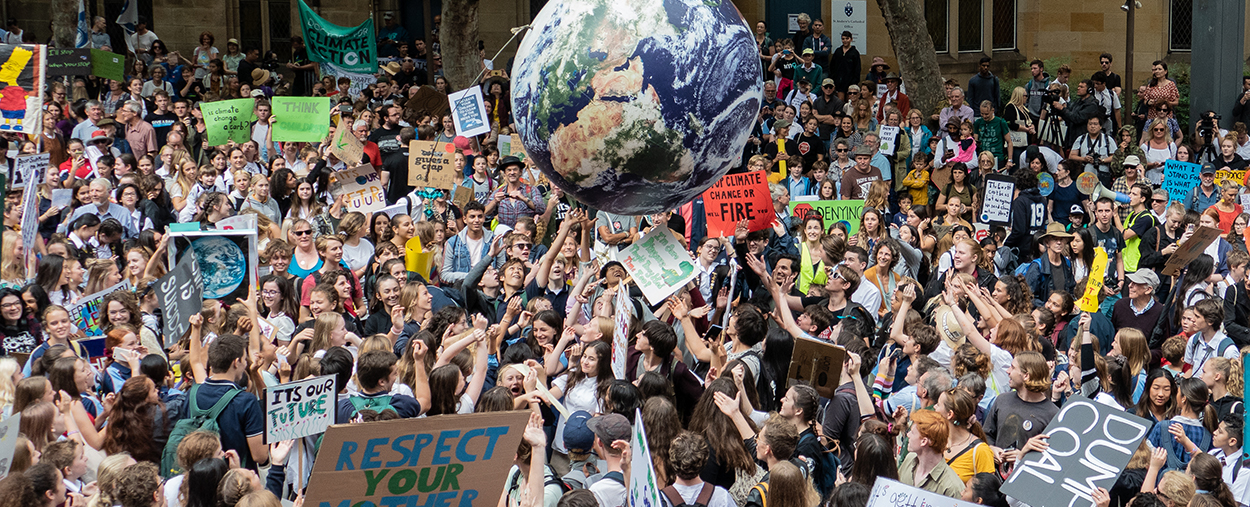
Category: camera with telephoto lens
<point>1052,96</point>
<point>1206,126</point>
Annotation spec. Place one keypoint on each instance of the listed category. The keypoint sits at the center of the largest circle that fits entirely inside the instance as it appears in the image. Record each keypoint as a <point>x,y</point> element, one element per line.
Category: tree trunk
<point>458,42</point>
<point>64,22</point>
<point>917,60</point>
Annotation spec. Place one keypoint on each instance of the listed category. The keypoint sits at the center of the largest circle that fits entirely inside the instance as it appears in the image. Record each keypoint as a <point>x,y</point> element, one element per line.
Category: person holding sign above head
<point>924,467</point>
<point>781,151</point>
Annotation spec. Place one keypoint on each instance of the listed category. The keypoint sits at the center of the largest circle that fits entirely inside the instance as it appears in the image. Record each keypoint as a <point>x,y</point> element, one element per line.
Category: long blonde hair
<point>11,268</point>
<point>8,367</point>
<point>1229,368</point>
<point>1167,131</point>
<point>325,324</point>
<point>787,487</point>
<point>1017,97</point>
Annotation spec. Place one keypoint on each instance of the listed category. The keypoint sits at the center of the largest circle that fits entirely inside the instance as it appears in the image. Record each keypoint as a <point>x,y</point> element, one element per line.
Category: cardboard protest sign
<point>644,489</point>
<point>87,312</point>
<point>891,493</point>
<point>301,119</point>
<point>344,145</point>
<point>180,295</point>
<point>1179,178</point>
<point>462,196</point>
<point>453,460</point>
<point>468,112</point>
<point>432,164</point>
<point>737,197</point>
<point>22,76</point>
<point>510,146</point>
<point>8,441</point>
<point>28,166</point>
<point>228,120</point>
<point>299,409</point>
<point>363,187</point>
<point>818,364</point>
<point>1094,282</point>
<point>846,212</point>
<point>659,264</point>
<point>999,192</point>
<point>108,65</point>
<point>1223,175</point>
<point>1190,249</point>
<point>620,332</point>
<point>1090,443</point>
<point>227,260</point>
<point>889,139</point>
<point>350,48</point>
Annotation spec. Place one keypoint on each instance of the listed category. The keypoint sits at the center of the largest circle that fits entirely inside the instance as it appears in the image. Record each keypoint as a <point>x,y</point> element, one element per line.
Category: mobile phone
<point>122,354</point>
<point>713,332</point>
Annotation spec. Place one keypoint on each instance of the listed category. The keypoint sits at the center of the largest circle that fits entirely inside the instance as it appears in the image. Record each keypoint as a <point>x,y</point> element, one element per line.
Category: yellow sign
<point>417,259</point>
<point>1223,175</point>
<point>1093,285</point>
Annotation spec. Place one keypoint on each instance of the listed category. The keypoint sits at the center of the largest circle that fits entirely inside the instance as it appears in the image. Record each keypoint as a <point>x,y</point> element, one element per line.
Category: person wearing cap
<point>1139,310</point>
<point>827,108</point>
<point>390,35</point>
<point>808,69</point>
<point>233,56</point>
<point>893,96</point>
<point>610,490</point>
<point>515,198</point>
<point>1076,217</point>
<point>1130,166</point>
<point>1206,194</point>
<point>780,151</point>
<point>1053,270</point>
<point>855,182</point>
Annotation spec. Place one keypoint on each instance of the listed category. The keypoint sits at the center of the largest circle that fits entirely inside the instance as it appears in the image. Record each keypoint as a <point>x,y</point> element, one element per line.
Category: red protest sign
<point>738,197</point>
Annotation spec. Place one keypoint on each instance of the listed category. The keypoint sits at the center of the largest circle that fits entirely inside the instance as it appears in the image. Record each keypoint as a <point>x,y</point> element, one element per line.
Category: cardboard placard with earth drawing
<point>432,164</point>
<point>442,460</point>
<point>344,145</point>
<point>818,364</point>
<point>1189,250</point>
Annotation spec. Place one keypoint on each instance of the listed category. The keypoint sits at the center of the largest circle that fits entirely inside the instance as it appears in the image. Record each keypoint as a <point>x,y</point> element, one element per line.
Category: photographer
<point>1094,149</point>
<point>1207,134</point>
<point>1078,113</point>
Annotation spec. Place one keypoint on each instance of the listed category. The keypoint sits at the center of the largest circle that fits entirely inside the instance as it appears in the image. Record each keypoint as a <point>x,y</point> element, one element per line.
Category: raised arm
<point>965,322</point>
<point>694,343</point>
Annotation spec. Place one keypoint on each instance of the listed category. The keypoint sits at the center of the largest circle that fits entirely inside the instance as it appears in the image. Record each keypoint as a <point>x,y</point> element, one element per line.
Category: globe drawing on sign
<point>636,106</point>
<point>222,265</point>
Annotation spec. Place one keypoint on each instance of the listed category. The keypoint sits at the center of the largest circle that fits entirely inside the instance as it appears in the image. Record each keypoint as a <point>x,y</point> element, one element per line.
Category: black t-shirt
<point>162,123</point>
<point>770,151</point>
<point>241,419</point>
<point>245,71</point>
<point>810,147</point>
<point>387,140</point>
<point>396,163</point>
<point>1012,421</point>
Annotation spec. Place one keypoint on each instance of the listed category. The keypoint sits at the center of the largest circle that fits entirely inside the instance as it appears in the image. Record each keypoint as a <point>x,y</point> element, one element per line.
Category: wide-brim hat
<point>99,135</point>
<point>509,161</point>
<point>1055,230</point>
<point>391,68</point>
<point>893,76</point>
<point>259,76</point>
<point>877,60</point>
<point>948,327</point>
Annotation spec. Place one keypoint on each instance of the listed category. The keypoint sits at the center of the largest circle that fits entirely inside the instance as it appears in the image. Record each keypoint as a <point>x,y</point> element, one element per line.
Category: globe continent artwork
<point>636,106</point>
<point>222,265</point>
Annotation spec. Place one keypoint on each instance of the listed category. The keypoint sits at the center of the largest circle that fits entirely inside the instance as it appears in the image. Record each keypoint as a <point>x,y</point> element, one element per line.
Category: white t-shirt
<point>171,491</point>
<point>475,249</point>
<point>358,256</point>
<point>582,396</point>
<point>720,497</point>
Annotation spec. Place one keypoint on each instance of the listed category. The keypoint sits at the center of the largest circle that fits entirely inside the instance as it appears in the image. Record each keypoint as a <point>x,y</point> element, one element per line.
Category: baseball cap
<point>258,93</point>
<point>99,135</point>
<point>1132,160</point>
<point>1145,277</point>
<point>233,41</point>
<point>864,151</point>
<point>827,82</point>
<point>781,124</point>
<point>610,428</point>
<point>1208,169</point>
<point>1077,210</point>
<point>808,51</point>
<point>388,15</point>
<point>104,122</point>
<point>577,437</point>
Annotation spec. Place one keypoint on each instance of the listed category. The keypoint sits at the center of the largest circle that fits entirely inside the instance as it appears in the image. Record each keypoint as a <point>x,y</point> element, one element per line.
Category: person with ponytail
<point>1189,431</point>
<point>799,406</point>
<point>966,451</point>
<point>1131,343</point>
<point>1209,479</point>
<point>1223,376</point>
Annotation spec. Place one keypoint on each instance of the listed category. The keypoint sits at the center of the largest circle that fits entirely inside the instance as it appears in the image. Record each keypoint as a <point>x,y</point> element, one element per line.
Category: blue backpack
<point>825,473</point>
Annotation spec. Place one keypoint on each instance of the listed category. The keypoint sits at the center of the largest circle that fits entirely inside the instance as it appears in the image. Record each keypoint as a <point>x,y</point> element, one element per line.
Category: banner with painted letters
<point>737,197</point>
<point>299,409</point>
<point>350,48</point>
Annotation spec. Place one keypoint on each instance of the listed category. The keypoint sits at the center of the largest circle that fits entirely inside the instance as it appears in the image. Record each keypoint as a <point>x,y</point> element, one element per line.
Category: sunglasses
<point>842,150</point>
<point>304,232</point>
<point>827,86</point>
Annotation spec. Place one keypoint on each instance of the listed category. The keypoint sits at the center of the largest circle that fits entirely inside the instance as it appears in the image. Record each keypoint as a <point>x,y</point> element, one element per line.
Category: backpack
<point>762,490</point>
<point>196,420</point>
<point>377,404</point>
<point>675,499</point>
<point>825,473</point>
<point>549,476</point>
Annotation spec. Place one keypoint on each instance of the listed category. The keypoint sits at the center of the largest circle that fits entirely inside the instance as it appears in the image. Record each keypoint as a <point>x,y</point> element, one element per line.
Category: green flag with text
<point>349,48</point>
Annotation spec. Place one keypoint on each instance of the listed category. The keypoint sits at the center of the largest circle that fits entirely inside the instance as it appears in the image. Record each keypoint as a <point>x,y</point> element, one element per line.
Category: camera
<point>1207,125</point>
<point>1052,96</point>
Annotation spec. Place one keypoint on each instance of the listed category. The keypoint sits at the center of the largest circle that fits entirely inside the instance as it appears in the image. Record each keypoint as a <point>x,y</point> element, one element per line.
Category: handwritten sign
<point>1223,175</point>
<point>29,167</point>
<point>846,212</point>
<point>228,120</point>
<point>468,112</point>
<point>890,493</point>
<point>451,460</point>
<point>344,145</point>
<point>180,295</point>
<point>432,164</point>
<point>889,139</point>
<point>737,197</point>
<point>1090,443</point>
<point>86,313</point>
<point>644,488</point>
<point>1179,178</point>
<point>1190,249</point>
<point>301,119</point>
<point>9,430</point>
<point>818,364</point>
<point>299,409</point>
<point>659,264</point>
<point>1094,282</point>
<point>999,192</point>
<point>69,62</point>
<point>620,333</point>
<point>363,188</point>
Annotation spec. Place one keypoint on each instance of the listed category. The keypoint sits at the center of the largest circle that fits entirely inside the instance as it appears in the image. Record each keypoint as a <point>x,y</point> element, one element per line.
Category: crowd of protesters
<point>963,339</point>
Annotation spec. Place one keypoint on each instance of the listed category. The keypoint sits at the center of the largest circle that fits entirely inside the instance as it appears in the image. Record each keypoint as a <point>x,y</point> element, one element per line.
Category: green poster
<point>301,119</point>
<point>833,211</point>
<point>228,120</point>
<point>349,48</point>
<point>108,65</point>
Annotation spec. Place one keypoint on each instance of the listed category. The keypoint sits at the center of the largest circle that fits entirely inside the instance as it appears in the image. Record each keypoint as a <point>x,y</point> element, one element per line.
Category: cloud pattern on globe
<point>636,106</point>
<point>222,265</point>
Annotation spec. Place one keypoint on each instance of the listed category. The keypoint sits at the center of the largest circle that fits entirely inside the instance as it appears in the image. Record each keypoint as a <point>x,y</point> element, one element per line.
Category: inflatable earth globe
<point>636,106</point>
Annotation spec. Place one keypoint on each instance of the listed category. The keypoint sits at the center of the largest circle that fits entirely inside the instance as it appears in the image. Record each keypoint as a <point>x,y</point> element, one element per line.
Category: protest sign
<point>510,146</point>
<point>620,332</point>
<point>1179,178</point>
<point>468,112</point>
<point>644,489</point>
<point>1093,286</point>
<point>363,188</point>
<point>299,409</point>
<point>359,81</point>
<point>36,166</point>
<point>1189,250</point>
<point>443,460</point>
<point>889,138</point>
<point>108,65</point>
<point>417,259</point>
<point>61,197</point>
<point>432,164</point>
<point>1223,175</point>
<point>22,76</point>
<point>228,120</point>
<point>180,295</point>
<point>999,192</point>
<point>301,119</point>
<point>86,313</point>
<point>350,48</point>
<point>818,364</point>
<point>241,222</point>
<point>1090,443</point>
<point>344,145</point>
<point>659,264</point>
<point>395,209</point>
<point>846,212</point>
<point>737,197</point>
<point>462,196</point>
<point>9,429</point>
<point>30,216</point>
<point>227,260</point>
<point>69,62</point>
<point>891,493</point>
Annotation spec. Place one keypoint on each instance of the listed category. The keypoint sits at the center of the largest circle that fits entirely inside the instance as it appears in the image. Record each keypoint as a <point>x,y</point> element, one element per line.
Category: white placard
<point>889,493</point>
<point>644,488</point>
<point>620,333</point>
<point>26,167</point>
<point>889,136</point>
<point>62,197</point>
<point>299,409</point>
<point>999,192</point>
<point>246,221</point>
<point>8,442</point>
<point>849,16</point>
<point>363,187</point>
<point>468,111</point>
<point>792,22</point>
<point>658,263</point>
